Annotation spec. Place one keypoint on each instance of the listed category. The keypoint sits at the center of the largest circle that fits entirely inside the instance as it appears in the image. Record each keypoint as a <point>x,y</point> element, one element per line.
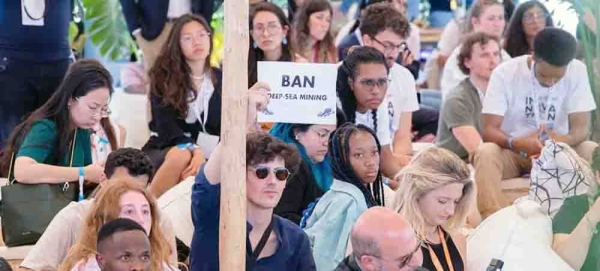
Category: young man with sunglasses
<point>376,245</point>
<point>272,243</point>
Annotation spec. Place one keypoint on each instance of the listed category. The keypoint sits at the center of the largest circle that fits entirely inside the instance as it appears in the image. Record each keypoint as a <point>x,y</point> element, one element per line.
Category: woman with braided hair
<point>362,84</point>
<point>357,186</point>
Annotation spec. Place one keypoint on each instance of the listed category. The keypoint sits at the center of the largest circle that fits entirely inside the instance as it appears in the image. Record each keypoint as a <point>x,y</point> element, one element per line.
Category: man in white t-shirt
<point>486,16</point>
<point>531,99</point>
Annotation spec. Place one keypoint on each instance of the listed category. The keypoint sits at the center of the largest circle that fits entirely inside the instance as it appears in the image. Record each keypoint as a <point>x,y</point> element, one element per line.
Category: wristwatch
<point>510,142</point>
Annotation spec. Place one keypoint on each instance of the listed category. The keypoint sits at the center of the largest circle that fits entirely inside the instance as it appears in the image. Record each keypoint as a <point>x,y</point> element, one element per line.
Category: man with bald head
<point>382,240</point>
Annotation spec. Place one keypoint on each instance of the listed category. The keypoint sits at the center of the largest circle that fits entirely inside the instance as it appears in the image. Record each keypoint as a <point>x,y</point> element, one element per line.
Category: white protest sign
<point>300,92</point>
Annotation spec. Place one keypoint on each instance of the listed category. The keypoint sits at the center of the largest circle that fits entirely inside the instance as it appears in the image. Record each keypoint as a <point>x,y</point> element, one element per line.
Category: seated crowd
<point>351,195</point>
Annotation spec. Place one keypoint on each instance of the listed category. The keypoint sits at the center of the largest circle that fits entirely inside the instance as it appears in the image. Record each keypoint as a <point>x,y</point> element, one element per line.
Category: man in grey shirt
<point>459,127</point>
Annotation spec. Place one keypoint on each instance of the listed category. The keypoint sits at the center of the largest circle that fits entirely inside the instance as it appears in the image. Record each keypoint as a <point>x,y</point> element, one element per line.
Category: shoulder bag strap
<point>259,247</point>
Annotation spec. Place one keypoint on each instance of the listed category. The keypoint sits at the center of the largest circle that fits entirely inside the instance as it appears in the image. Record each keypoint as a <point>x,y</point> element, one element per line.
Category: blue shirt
<point>293,251</point>
<point>35,43</point>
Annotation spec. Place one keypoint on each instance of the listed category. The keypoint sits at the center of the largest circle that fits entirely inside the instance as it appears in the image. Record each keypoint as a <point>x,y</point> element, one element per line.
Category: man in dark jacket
<point>150,21</point>
<point>391,246</point>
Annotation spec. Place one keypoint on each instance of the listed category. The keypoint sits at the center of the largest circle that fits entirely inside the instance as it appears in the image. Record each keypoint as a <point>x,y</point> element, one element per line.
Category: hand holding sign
<point>258,100</point>
<point>300,92</point>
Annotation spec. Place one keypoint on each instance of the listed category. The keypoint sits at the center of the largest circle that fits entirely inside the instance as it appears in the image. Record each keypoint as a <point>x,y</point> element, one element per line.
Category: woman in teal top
<point>42,146</point>
<point>576,227</point>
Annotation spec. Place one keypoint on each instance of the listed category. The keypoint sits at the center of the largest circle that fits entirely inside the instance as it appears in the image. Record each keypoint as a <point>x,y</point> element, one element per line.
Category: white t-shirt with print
<point>383,122</point>
<point>401,95</point>
<point>452,75</point>
<point>511,94</point>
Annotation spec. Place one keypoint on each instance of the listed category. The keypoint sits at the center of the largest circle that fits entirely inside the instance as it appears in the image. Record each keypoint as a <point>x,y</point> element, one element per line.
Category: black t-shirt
<point>49,42</point>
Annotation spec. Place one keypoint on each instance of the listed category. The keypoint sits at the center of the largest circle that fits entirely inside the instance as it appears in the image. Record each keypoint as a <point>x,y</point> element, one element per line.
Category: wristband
<point>510,143</point>
<point>81,179</point>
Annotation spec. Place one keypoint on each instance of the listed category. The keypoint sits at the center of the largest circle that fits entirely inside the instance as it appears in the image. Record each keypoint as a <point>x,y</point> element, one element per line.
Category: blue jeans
<point>439,19</point>
<point>24,87</point>
<point>431,99</point>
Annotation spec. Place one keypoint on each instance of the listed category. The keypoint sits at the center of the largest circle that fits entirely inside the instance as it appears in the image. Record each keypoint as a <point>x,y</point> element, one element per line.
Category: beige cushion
<point>129,111</point>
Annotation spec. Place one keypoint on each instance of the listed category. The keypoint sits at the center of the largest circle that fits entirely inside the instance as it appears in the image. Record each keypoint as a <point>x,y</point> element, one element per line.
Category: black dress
<point>301,190</point>
<point>457,261</point>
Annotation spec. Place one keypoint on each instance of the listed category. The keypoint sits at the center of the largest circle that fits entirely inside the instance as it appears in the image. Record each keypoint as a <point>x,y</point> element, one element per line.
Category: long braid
<point>342,169</point>
<point>374,115</point>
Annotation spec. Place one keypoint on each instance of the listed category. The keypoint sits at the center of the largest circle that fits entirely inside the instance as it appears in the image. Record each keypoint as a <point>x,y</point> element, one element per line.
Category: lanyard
<point>552,98</point>
<point>204,102</point>
<point>253,254</point>
<point>434,258</point>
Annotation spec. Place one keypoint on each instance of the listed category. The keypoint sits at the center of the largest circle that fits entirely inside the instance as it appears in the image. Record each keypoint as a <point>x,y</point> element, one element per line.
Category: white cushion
<point>520,235</point>
<point>130,110</point>
<point>176,203</point>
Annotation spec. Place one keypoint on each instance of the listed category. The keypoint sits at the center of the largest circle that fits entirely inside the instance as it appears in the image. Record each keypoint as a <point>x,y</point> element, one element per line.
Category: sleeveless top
<point>457,261</point>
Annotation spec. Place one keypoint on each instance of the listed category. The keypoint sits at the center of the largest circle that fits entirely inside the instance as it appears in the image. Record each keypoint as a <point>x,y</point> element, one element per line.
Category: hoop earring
<point>255,45</point>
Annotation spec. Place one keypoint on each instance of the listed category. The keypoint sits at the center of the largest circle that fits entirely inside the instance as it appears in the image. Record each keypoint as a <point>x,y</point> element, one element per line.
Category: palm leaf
<point>107,29</point>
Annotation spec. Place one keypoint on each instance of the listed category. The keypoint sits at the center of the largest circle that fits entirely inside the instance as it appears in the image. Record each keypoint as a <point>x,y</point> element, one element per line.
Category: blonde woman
<point>119,199</point>
<point>435,196</point>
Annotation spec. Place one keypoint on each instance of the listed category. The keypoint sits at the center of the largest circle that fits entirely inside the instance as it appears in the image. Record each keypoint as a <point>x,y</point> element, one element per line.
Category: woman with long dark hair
<point>53,144</point>
<point>269,37</point>
<point>528,20</point>
<point>311,35</point>
<point>357,186</point>
<point>185,100</point>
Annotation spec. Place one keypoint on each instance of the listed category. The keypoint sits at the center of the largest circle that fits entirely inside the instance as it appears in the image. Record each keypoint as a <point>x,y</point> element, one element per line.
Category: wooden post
<point>232,231</point>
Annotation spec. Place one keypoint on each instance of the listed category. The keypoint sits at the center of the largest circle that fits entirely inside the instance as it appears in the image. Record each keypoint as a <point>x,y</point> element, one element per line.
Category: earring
<point>296,137</point>
<point>284,41</point>
<point>255,45</point>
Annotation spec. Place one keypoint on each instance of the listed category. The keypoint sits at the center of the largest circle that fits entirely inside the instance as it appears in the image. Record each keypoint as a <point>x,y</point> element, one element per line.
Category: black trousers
<point>24,87</point>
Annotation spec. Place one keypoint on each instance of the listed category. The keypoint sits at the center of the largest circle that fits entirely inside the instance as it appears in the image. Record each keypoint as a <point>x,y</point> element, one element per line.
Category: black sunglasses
<point>281,173</point>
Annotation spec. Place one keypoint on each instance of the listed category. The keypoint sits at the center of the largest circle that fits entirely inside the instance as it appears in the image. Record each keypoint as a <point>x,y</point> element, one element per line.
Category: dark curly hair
<point>381,16</point>
<point>301,31</point>
<point>262,148</point>
<point>466,50</point>
<point>515,41</point>
<point>135,161</point>
<point>339,147</point>
<point>170,76</point>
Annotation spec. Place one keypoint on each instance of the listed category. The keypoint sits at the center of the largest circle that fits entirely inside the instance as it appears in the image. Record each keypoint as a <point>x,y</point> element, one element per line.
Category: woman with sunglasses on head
<point>53,144</point>
<point>362,83</point>
<point>528,20</point>
<point>357,186</point>
<point>269,37</point>
<point>185,101</point>
<point>311,36</point>
<point>314,176</point>
<point>435,196</point>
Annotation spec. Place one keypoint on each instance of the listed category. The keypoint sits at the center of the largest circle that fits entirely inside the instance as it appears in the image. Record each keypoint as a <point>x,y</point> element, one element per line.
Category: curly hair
<point>381,16</point>
<point>515,41</point>
<point>466,51</point>
<point>170,76</point>
<point>301,32</point>
<point>136,162</point>
<point>261,148</point>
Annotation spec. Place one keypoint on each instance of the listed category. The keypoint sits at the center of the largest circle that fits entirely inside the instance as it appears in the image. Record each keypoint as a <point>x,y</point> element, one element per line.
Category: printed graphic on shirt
<point>391,113</point>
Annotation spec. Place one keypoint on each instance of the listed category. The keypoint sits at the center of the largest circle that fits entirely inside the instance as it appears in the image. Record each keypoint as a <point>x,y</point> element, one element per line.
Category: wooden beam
<point>232,231</point>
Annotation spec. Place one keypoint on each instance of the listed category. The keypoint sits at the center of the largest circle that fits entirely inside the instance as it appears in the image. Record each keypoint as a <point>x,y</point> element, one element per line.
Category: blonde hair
<point>477,9</point>
<point>431,169</point>
<point>106,208</point>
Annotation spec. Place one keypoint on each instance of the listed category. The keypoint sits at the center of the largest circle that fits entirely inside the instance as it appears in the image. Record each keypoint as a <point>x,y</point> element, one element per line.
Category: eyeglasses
<point>188,39</point>
<point>371,83</point>
<point>281,173</point>
<point>272,29</point>
<point>103,112</point>
<point>529,17</point>
<point>391,48</point>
